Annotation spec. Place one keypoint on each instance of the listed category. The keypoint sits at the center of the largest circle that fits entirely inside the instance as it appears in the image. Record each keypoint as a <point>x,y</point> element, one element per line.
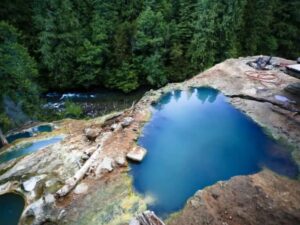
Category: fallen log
<point>73,181</point>
<point>287,107</point>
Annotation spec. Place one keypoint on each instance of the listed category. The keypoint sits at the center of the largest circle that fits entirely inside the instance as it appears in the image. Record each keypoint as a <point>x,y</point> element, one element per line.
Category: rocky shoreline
<point>104,194</point>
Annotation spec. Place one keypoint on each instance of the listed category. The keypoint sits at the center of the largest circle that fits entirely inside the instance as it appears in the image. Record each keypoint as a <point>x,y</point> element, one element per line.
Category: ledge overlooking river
<point>86,179</point>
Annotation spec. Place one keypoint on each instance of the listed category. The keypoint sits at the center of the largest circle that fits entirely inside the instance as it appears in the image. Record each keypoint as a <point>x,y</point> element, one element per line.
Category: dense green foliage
<point>72,110</point>
<point>75,44</point>
<point>18,71</point>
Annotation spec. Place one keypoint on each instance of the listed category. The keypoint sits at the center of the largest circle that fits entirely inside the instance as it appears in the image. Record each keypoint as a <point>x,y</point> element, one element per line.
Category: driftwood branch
<point>73,181</point>
<point>88,166</point>
<point>287,107</point>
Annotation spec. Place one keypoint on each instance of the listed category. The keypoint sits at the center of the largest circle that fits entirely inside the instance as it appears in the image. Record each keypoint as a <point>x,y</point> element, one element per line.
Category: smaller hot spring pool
<point>27,149</point>
<point>29,133</point>
<point>195,139</point>
<point>11,207</point>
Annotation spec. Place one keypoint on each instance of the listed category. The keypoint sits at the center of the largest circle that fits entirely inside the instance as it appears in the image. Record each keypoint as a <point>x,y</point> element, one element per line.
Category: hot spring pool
<point>32,147</point>
<point>29,133</point>
<point>195,139</point>
<point>11,207</point>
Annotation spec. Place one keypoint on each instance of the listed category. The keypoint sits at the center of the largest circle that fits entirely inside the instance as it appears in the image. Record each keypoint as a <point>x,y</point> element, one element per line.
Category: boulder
<point>105,166</point>
<point>113,126</point>
<point>30,184</point>
<point>137,154</point>
<point>120,160</point>
<point>81,188</point>
<point>92,133</point>
<point>127,121</point>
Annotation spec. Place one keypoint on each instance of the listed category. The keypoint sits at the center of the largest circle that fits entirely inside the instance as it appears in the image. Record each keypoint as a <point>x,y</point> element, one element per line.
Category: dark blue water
<point>195,139</point>
<point>42,128</point>
<point>13,137</point>
<point>6,156</point>
<point>27,134</point>
<point>11,207</point>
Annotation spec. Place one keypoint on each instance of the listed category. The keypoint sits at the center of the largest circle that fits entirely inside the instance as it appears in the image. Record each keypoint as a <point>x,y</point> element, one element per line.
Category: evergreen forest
<point>57,45</point>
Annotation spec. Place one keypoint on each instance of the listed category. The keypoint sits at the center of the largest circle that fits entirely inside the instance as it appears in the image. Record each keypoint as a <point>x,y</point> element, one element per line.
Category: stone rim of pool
<point>273,155</point>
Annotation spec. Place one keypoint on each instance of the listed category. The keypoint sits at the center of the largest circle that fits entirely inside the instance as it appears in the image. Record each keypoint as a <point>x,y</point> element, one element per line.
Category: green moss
<point>172,217</point>
<point>112,203</point>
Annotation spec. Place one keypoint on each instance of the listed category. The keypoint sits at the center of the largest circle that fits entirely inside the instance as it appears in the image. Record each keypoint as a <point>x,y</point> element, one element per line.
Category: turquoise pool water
<point>27,134</point>
<point>11,207</point>
<point>32,147</point>
<point>195,139</point>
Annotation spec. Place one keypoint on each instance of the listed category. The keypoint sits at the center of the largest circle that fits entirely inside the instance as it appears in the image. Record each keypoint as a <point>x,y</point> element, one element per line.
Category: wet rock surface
<point>92,133</point>
<point>127,121</point>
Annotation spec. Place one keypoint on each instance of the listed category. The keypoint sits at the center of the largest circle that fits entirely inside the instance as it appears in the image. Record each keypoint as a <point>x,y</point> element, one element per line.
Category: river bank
<point>93,103</point>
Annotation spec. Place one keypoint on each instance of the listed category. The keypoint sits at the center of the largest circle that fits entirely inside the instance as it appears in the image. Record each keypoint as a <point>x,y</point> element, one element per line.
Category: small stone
<point>121,161</point>
<point>30,184</point>
<point>113,127</point>
<point>137,154</point>
<point>127,121</point>
<point>62,214</point>
<point>92,133</point>
<point>49,198</point>
<point>105,165</point>
<point>85,156</point>
<point>81,188</point>
<point>89,151</point>
<point>283,99</point>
